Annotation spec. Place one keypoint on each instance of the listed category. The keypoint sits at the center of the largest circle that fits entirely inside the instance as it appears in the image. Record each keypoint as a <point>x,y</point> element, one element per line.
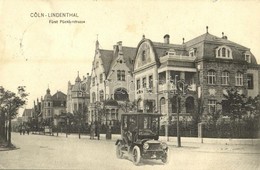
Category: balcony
<point>177,58</point>
<point>166,87</point>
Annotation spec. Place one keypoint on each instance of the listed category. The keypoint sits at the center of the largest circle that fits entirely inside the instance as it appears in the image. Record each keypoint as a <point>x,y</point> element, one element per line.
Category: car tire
<point>165,157</point>
<point>119,153</point>
<point>136,155</point>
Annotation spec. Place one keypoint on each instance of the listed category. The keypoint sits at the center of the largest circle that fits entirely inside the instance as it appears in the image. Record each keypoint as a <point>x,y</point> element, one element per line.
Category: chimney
<point>119,44</point>
<point>166,39</point>
<point>224,36</point>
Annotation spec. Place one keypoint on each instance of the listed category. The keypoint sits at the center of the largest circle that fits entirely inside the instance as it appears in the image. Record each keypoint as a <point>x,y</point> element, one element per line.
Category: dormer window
<point>224,52</point>
<point>247,57</point>
<point>192,52</point>
<point>171,52</point>
<point>143,55</point>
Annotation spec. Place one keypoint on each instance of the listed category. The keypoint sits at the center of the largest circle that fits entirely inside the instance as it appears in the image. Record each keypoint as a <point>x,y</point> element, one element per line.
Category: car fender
<point>119,141</point>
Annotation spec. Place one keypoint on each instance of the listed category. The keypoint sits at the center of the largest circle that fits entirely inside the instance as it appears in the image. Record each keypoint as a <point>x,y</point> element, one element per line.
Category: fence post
<point>200,131</point>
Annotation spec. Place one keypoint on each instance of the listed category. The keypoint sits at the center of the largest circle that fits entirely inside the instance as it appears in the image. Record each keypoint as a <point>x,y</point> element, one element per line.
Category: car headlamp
<point>146,146</point>
<point>164,145</point>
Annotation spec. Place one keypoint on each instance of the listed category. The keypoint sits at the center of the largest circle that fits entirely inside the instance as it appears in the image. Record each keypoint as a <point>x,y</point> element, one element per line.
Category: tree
<point>10,104</point>
<point>235,104</point>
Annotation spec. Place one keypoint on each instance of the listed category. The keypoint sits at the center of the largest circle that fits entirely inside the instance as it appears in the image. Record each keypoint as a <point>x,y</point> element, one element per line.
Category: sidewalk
<point>190,146</point>
<point>4,146</point>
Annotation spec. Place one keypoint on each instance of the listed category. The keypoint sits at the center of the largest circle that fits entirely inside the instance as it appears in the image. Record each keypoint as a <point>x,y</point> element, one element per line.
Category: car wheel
<point>136,155</point>
<point>119,153</point>
<point>165,157</point>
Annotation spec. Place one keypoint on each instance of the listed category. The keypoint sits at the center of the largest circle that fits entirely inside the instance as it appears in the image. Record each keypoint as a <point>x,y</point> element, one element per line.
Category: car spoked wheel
<point>136,155</point>
<point>119,153</point>
<point>165,157</point>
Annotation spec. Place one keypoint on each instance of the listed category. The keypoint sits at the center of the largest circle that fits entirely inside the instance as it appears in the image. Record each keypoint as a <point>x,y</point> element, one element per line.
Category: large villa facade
<point>150,74</point>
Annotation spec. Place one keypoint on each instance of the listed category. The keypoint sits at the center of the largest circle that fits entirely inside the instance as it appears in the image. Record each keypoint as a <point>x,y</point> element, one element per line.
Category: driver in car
<point>132,129</point>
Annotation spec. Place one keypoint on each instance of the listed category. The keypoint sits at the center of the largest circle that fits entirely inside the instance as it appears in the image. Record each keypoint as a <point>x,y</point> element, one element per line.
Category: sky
<point>37,54</point>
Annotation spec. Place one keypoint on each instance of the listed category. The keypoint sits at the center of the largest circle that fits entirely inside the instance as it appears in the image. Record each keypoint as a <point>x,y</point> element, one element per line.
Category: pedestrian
<point>28,131</point>
<point>23,129</point>
<point>20,129</point>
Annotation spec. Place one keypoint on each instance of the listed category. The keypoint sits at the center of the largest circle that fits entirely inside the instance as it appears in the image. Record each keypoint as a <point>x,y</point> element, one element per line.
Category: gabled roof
<point>27,112</point>
<point>129,54</point>
<point>107,58</point>
<point>212,38</point>
<point>59,96</point>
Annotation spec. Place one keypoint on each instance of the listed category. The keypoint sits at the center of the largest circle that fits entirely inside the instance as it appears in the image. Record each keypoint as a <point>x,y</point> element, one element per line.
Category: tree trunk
<point>9,130</point>
<point>5,137</point>
<point>2,125</point>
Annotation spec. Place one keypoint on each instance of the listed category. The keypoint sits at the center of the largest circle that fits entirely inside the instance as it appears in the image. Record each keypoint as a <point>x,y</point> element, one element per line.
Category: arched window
<point>162,105</point>
<point>224,52</point>
<point>189,104</point>
<point>139,105</point>
<point>225,78</point>
<point>239,79</point>
<point>93,97</point>
<point>211,77</point>
<point>121,94</point>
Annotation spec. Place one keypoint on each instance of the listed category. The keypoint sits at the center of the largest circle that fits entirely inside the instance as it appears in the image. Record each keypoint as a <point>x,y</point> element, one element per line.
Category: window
<point>250,81</point>
<point>113,114</point>
<point>75,107</point>
<point>144,82</point>
<point>189,104</point>
<point>162,105</point>
<point>211,77</point>
<point>225,78</point>
<point>101,95</point>
<point>192,52</point>
<point>174,105</point>
<point>101,78</point>
<point>138,84</point>
<point>143,55</point>
<point>80,109</point>
<point>224,52</point>
<point>97,63</point>
<point>121,75</point>
<point>93,97</point>
<point>93,81</point>
<point>225,106</point>
<point>118,74</point>
<point>212,106</point>
<point>239,79</point>
<point>49,104</point>
<point>248,57</point>
<point>121,94</point>
<point>151,81</point>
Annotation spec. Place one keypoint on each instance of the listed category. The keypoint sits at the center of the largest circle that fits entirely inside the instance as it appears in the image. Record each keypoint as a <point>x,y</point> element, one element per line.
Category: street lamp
<point>180,89</point>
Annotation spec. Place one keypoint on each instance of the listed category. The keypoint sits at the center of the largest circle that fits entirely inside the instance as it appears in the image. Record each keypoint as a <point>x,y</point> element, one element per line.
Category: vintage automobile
<point>139,138</point>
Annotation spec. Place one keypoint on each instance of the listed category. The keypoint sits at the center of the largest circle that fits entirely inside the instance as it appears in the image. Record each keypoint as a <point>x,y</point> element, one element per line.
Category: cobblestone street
<point>51,152</point>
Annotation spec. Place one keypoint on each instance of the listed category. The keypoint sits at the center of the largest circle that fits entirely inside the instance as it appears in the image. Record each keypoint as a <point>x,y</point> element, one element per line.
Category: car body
<point>139,138</point>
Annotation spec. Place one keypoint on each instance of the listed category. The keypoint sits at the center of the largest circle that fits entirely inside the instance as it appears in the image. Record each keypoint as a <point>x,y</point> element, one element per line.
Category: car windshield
<point>148,125</point>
